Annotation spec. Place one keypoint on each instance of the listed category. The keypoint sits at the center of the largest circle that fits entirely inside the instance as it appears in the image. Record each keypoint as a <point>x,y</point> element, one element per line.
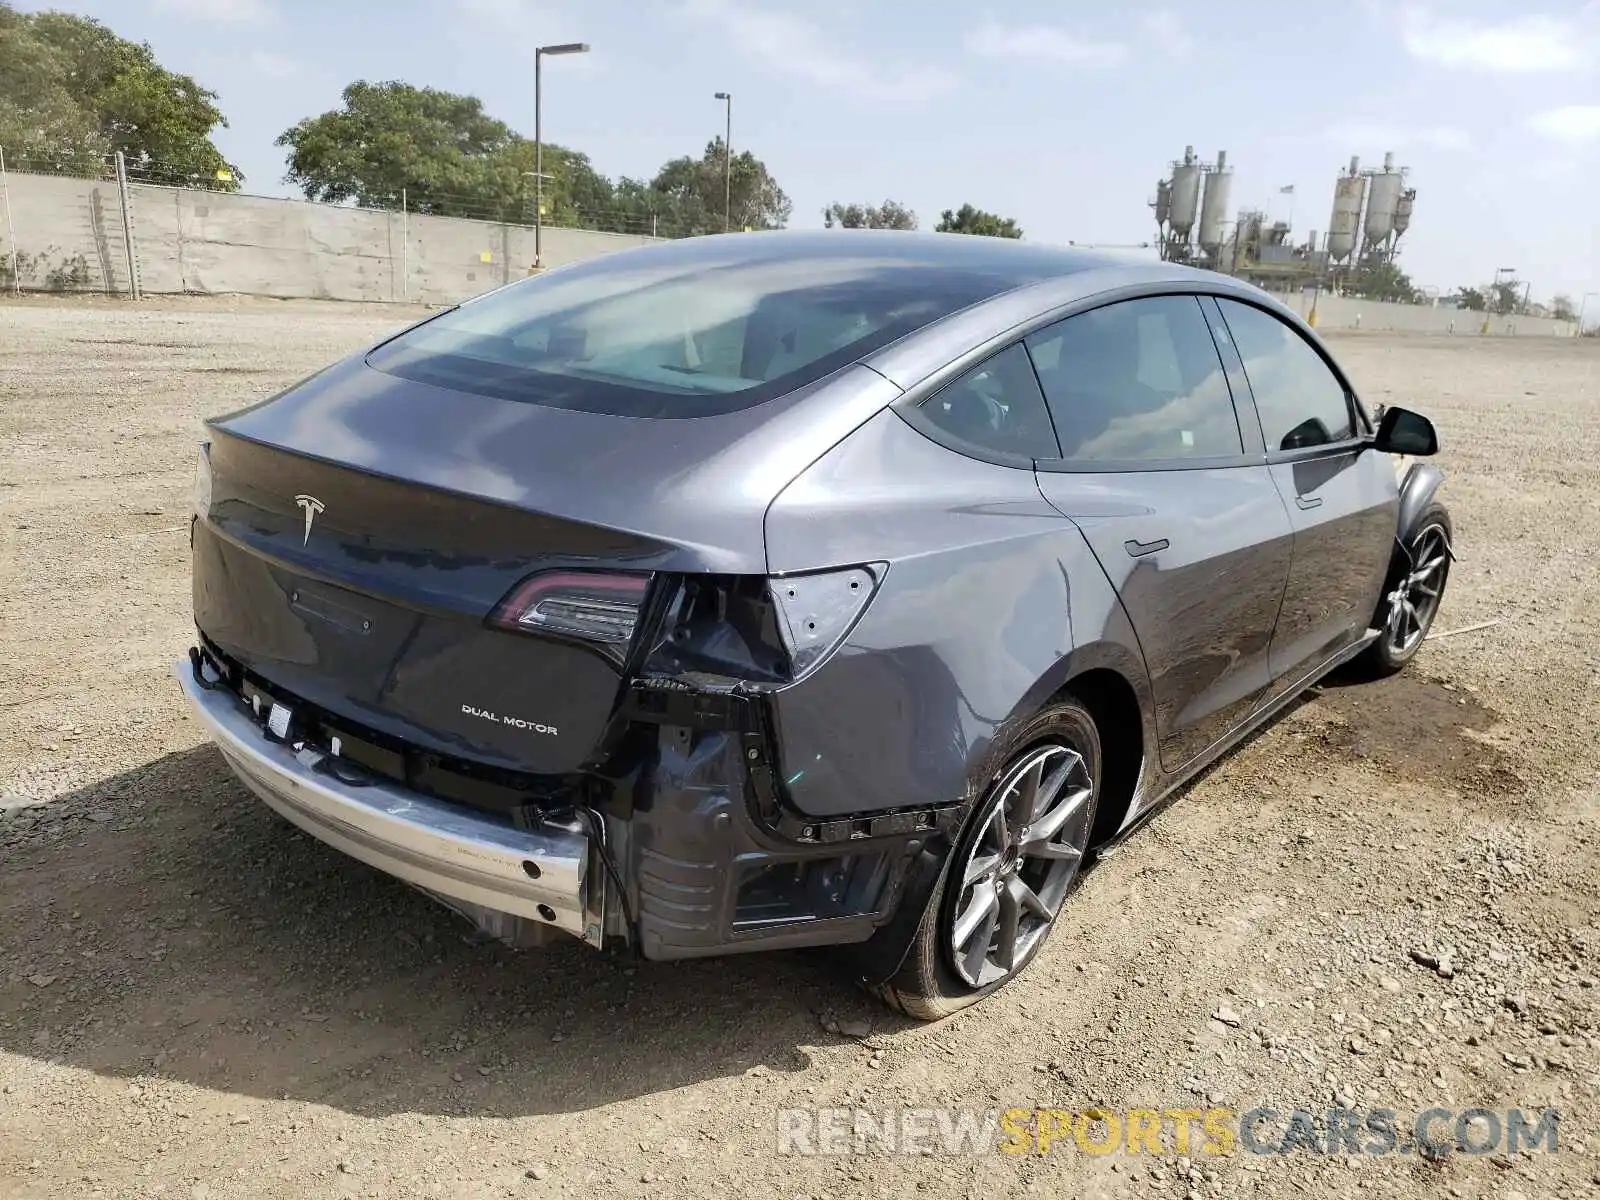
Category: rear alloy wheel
<point>1031,839</point>
<point>1412,594</point>
<point>1011,870</point>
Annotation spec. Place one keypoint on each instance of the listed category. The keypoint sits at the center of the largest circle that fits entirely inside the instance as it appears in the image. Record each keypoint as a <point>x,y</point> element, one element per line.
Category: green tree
<point>1383,281</point>
<point>888,215</point>
<point>72,91</point>
<point>1473,299</point>
<point>690,192</point>
<point>1506,296</point>
<point>451,158</point>
<point>1561,308</point>
<point>967,219</point>
<point>446,154</point>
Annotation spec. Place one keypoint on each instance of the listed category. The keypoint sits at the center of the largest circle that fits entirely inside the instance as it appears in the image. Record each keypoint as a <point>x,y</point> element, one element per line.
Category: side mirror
<point>1401,431</point>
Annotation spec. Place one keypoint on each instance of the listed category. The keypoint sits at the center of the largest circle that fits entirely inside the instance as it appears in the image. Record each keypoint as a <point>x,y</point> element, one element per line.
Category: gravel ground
<point>1388,899</point>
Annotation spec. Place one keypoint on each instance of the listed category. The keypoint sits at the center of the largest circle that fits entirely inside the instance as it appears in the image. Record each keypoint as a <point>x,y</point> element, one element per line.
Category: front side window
<point>1137,381</point>
<point>1301,401</point>
<point>995,407</point>
<point>675,334</point>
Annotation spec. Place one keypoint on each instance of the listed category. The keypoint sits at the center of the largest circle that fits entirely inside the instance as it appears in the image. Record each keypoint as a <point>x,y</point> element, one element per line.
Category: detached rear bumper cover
<point>541,875</point>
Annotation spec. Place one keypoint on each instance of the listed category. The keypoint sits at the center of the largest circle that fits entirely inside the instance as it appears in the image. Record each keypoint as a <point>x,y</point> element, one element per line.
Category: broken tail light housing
<point>725,630</point>
<point>592,606</point>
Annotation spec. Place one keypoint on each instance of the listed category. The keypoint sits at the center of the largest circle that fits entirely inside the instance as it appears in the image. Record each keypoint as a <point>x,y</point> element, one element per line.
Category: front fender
<point>1417,489</point>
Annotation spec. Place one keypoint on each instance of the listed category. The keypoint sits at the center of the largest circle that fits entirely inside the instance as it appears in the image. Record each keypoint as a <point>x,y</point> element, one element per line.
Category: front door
<point>1342,497</point>
<point>1190,530</point>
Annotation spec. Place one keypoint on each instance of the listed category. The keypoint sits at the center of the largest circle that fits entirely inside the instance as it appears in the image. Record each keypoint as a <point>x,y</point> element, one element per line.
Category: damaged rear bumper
<point>476,860</point>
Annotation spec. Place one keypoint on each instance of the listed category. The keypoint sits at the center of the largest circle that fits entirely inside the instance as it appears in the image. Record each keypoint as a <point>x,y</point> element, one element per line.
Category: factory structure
<point>1195,225</point>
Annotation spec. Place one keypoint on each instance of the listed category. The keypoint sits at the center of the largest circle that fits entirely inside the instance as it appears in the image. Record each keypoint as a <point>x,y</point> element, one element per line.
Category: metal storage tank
<point>1402,211</point>
<point>1383,198</point>
<point>1163,201</point>
<point>1214,209</point>
<point>1344,224</point>
<point>1185,194</point>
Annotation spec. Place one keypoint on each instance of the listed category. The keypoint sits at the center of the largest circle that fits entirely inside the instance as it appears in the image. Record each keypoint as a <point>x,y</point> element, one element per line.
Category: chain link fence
<point>129,228</point>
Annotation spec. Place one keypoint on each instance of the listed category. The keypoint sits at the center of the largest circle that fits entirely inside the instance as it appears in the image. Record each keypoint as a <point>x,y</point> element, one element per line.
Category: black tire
<point>930,985</point>
<point>1389,653</point>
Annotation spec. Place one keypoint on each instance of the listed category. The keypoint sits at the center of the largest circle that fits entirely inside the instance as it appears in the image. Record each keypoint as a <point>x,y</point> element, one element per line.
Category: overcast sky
<point>1062,115</point>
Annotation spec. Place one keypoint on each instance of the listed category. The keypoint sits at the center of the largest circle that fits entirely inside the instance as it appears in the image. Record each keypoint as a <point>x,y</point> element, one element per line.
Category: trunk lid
<point>376,607</point>
<point>362,529</point>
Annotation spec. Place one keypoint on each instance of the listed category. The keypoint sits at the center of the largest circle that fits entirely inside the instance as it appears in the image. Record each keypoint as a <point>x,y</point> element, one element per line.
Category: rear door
<point>1175,501</point>
<point>1341,498</point>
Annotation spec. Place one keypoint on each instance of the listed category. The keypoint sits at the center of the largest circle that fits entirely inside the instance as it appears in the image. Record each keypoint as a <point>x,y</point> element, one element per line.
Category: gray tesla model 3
<point>776,590</point>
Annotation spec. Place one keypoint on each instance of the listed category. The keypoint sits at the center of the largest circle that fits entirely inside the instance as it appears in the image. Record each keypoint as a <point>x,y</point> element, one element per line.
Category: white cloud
<point>994,40</point>
<point>1365,139</point>
<point>796,46</point>
<point>1518,45</point>
<point>1571,123</point>
<point>523,26</point>
<point>1164,29</point>
<point>273,66</point>
<point>228,12</point>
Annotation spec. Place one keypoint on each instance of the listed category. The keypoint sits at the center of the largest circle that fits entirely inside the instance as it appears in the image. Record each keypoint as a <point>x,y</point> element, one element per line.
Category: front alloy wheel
<point>1414,599</point>
<point>1411,596</point>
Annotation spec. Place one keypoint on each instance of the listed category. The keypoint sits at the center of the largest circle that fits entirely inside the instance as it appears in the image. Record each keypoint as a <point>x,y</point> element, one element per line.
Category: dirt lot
<point>195,1001</point>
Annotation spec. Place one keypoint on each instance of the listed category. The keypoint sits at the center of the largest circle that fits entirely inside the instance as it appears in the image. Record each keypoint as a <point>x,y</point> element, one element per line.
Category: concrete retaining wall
<point>69,234</point>
<point>70,238</point>
<point>1346,312</point>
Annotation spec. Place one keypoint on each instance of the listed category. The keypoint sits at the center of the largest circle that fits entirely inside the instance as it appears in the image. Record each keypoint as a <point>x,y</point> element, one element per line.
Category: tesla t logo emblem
<point>311,506</point>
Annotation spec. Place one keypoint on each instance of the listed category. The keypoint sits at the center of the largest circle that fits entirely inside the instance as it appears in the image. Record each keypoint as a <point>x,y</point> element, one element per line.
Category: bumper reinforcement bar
<point>543,875</point>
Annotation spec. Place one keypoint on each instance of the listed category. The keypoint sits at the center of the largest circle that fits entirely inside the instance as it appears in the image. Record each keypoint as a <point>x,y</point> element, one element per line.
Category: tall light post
<point>1583,308</point>
<point>538,140</point>
<point>1494,292</point>
<point>727,159</point>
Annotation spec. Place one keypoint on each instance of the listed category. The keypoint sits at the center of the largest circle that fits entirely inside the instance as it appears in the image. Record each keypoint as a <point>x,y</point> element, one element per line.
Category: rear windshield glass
<point>675,335</point>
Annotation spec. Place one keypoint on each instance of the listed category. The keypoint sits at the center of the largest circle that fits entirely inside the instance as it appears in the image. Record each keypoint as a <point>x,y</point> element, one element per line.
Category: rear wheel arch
<point>1119,718</point>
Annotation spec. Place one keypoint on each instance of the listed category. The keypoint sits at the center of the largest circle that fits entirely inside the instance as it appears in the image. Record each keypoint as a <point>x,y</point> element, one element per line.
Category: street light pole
<point>727,160</point>
<point>538,140</point>
<point>1583,308</point>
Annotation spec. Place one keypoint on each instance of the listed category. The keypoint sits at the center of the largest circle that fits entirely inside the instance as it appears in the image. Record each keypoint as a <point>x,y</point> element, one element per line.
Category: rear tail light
<point>593,606</point>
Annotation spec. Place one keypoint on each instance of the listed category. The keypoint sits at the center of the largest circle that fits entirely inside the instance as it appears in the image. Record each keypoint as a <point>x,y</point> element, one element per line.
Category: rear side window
<point>1300,399</point>
<point>654,334</point>
<point>1137,381</point>
<point>996,407</point>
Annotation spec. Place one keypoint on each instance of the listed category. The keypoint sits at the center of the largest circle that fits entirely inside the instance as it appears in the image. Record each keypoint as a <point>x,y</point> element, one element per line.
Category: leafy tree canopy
<point>1473,299</point>
<point>451,158</point>
<point>888,215</point>
<point>1506,296</point>
<point>72,91</point>
<point>968,219</point>
<point>1383,281</point>
<point>1562,309</point>
<point>693,191</point>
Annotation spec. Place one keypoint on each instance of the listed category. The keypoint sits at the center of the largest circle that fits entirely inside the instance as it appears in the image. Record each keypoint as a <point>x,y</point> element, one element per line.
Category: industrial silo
<point>1214,209</point>
<point>1383,200</point>
<point>1402,211</point>
<point>1344,224</point>
<point>1185,194</point>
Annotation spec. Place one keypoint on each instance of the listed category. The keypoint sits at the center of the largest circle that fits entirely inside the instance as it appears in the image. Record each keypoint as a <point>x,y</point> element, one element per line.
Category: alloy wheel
<point>1030,841</point>
<point>1414,601</point>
